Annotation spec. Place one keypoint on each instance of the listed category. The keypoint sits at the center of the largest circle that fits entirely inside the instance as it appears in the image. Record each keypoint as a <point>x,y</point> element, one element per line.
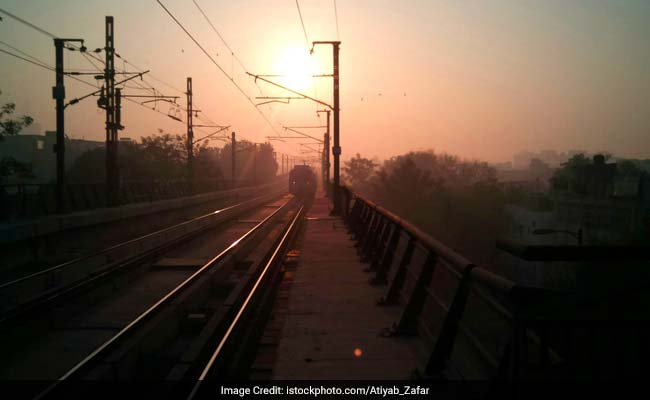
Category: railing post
<point>392,292</point>
<point>387,259</point>
<point>373,236</point>
<point>355,215</point>
<point>445,342</point>
<point>366,227</point>
<point>407,324</point>
<point>378,250</point>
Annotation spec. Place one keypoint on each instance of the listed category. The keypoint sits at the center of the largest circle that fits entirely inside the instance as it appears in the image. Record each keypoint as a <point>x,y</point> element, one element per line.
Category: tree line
<point>457,201</point>
<point>164,157</point>
<point>156,157</point>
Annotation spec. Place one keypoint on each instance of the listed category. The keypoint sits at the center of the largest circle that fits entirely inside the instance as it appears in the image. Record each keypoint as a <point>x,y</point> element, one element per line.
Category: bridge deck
<point>331,321</point>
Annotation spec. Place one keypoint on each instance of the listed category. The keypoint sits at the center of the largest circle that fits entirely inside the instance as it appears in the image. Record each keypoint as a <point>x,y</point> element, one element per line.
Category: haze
<point>478,79</point>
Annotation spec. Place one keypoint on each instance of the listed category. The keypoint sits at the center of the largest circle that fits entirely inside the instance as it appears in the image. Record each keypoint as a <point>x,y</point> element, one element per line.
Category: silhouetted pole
<point>118,126</point>
<point>190,137</point>
<point>58,93</point>
<point>254,164</point>
<point>109,77</point>
<point>336,150</point>
<point>326,152</point>
<point>232,168</point>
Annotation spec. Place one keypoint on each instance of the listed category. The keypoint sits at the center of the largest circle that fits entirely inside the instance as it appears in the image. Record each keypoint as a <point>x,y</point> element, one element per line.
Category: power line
<point>86,55</point>
<point>27,60</point>
<point>90,55</point>
<point>50,68</point>
<point>304,30</point>
<point>22,52</point>
<point>303,23</point>
<point>40,64</point>
<point>219,34</point>
<point>232,52</point>
<point>216,64</point>
<point>336,18</point>
<point>22,21</point>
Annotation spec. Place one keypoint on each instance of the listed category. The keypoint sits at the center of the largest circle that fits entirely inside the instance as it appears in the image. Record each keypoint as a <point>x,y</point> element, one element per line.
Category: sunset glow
<point>296,68</point>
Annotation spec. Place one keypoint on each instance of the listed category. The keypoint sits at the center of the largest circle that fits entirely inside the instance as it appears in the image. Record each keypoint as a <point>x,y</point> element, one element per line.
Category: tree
<point>90,167</point>
<point>455,200</point>
<point>11,127</point>
<point>254,162</point>
<point>628,168</point>
<point>167,154</point>
<point>568,170</point>
<point>538,166</point>
<point>358,170</point>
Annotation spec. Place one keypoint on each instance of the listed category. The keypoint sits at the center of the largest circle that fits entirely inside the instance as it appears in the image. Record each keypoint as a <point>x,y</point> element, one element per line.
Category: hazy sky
<point>481,79</point>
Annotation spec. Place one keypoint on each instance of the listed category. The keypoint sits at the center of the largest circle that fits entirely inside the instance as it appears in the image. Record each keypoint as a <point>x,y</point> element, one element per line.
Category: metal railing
<point>473,324</point>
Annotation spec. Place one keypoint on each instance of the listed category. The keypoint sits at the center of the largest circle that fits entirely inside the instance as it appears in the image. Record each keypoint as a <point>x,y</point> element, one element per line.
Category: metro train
<point>302,182</point>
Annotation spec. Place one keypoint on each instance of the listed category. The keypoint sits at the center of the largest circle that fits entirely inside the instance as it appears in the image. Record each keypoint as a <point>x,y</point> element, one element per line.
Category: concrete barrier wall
<point>22,230</point>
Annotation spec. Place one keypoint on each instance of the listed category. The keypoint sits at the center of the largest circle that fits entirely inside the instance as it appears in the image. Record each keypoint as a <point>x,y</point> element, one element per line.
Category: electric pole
<point>118,126</point>
<point>190,137</point>
<point>326,152</point>
<point>254,164</point>
<point>336,150</point>
<point>232,168</point>
<point>58,93</point>
<point>111,129</point>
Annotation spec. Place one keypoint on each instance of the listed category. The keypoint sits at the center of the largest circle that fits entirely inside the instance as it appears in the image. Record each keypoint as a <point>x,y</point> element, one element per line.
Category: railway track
<point>41,289</point>
<point>185,317</point>
<point>166,342</point>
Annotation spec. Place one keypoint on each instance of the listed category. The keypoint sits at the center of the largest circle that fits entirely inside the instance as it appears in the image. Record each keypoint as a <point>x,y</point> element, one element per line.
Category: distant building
<point>38,152</point>
<point>613,207</point>
<point>554,159</point>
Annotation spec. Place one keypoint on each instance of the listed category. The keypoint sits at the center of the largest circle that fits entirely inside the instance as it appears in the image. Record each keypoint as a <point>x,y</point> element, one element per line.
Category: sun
<point>295,66</point>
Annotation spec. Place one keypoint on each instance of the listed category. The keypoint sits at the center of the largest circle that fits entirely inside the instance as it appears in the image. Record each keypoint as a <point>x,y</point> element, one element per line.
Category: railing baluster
<point>443,346</point>
<point>392,292</point>
<point>407,323</point>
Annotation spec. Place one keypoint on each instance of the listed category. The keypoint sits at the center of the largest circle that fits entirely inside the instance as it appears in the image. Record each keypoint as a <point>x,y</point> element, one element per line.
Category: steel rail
<point>36,290</point>
<point>277,252</point>
<point>123,244</point>
<point>157,308</point>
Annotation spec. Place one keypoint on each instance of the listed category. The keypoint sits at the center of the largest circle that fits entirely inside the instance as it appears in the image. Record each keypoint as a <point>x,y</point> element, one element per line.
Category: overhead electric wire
<point>143,85</point>
<point>216,64</point>
<point>45,66</point>
<point>23,53</point>
<point>336,18</point>
<point>232,52</point>
<point>91,55</point>
<point>303,23</point>
<point>27,60</point>
<point>50,68</point>
<point>86,54</point>
<point>219,34</point>
<point>22,21</point>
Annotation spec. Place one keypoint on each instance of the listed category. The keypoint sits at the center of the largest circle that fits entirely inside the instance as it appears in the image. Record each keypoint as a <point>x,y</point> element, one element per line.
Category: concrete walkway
<point>331,322</point>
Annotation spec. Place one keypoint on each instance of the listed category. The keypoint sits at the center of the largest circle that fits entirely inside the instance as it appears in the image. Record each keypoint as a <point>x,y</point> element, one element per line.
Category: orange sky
<point>479,79</point>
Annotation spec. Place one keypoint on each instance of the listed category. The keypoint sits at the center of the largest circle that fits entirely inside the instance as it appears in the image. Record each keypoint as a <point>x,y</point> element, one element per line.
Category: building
<point>37,151</point>
<point>610,206</point>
